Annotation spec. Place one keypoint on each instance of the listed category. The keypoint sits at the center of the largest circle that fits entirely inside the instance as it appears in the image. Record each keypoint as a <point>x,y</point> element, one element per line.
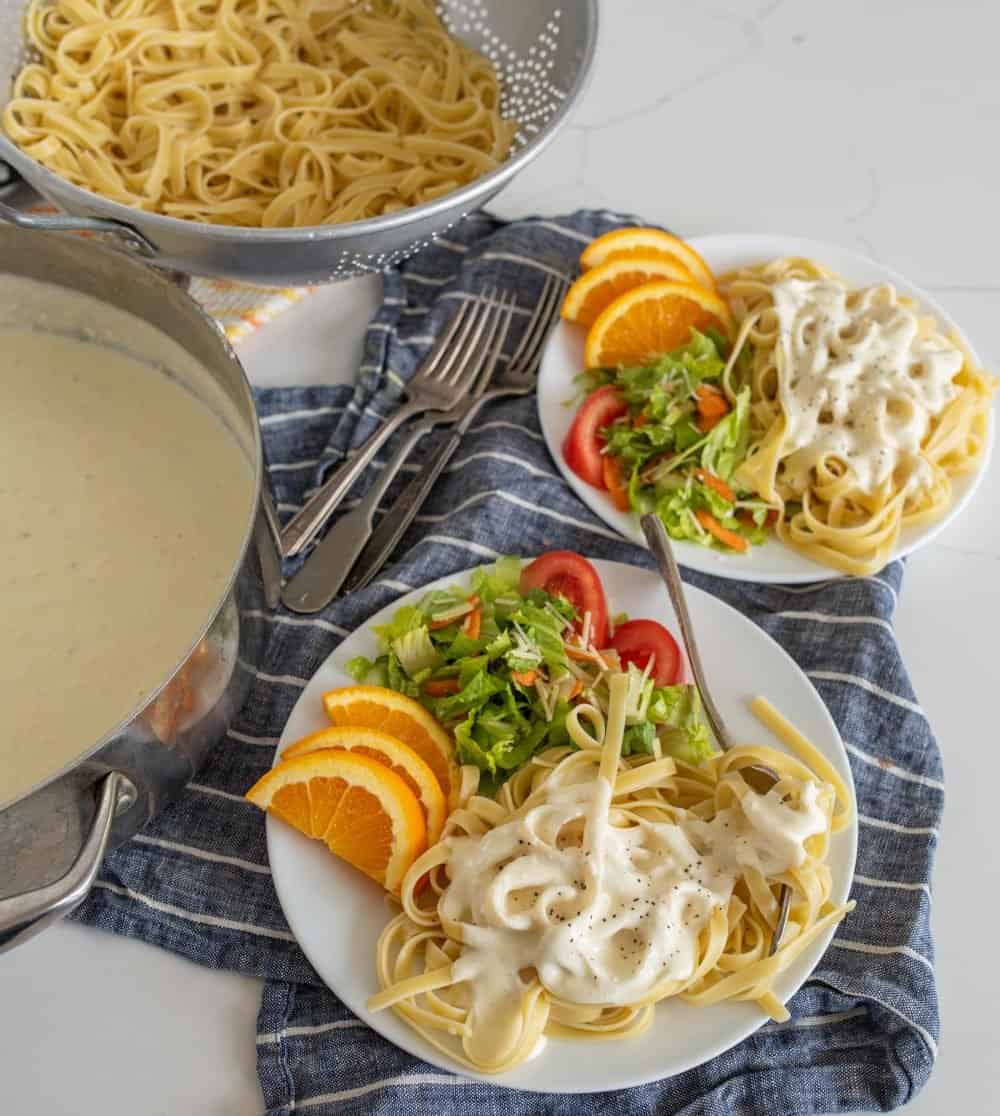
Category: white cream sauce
<point>604,913</point>
<point>123,504</point>
<point>857,382</point>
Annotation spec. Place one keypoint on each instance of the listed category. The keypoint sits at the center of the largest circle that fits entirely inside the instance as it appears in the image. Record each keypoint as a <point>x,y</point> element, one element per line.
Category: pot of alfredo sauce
<point>138,558</point>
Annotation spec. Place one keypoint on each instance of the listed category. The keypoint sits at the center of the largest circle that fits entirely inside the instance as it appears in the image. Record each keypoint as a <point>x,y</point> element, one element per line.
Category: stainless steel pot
<point>53,838</point>
<point>543,51</point>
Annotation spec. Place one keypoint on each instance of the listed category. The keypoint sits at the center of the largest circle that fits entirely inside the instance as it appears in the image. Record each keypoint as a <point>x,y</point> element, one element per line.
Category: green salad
<point>501,669</point>
<point>670,440</point>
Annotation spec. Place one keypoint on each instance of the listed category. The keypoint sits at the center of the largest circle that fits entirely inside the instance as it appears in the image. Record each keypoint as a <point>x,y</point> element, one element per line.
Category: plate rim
<point>710,561</point>
<point>413,1043</point>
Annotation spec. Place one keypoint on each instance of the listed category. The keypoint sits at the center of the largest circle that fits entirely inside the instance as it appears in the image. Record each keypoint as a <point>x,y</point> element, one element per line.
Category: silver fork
<point>323,573</point>
<point>761,778</point>
<point>518,379</point>
<point>441,382</point>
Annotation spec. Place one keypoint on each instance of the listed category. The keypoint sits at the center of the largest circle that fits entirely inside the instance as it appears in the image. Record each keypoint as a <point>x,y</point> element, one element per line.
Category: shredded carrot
<point>723,534</point>
<point>579,654</point>
<point>712,407</point>
<point>464,617</point>
<point>473,623</point>
<point>435,625</point>
<point>640,420</point>
<point>524,677</point>
<point>576,690</point>
<point>711,401</point>
<point>614,482</point>
<point>442,687</point>
<point>710,480</point>
<point>746,517</point>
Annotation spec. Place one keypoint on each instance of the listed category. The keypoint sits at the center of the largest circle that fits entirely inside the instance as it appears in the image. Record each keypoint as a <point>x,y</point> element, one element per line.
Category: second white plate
<point>337,915</point>
<point>773,562</point>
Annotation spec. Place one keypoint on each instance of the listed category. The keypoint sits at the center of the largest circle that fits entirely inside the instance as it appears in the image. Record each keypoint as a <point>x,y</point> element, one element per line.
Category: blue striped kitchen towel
<point>864,1028</point>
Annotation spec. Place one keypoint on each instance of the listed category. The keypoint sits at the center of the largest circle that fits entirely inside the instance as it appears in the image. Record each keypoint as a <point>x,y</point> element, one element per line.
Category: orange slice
<point>601,285</point>
<point>623,243</point>
<point>375,707</point>
<point>395,755</point>
<point>361,811</point>
<point>652,319</point>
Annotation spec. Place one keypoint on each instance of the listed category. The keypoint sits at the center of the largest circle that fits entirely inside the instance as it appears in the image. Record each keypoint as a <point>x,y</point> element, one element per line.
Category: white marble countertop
<point>870,124</point>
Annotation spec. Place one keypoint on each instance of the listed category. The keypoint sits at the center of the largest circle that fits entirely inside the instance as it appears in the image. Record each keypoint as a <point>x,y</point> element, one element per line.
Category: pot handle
<point>62,222</point>
<point>22,916</point>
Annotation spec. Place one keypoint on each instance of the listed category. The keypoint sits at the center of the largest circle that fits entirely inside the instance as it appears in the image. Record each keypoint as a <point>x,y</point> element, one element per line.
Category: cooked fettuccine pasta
<point>862,410</point>
<point>597,885</point>
<point>256,112</point>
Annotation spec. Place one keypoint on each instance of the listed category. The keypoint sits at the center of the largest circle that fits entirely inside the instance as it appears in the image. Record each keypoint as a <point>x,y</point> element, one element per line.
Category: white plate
<point>337,914</point>
<point>773,561</point>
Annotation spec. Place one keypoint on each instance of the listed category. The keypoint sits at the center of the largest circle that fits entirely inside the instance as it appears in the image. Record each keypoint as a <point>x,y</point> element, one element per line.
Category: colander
<point>542,50</point>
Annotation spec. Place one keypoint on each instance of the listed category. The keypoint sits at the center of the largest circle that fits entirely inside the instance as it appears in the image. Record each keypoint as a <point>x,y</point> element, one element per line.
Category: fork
<point>763,778</point>
<point>441,382</point>
<point>323,573</point>
<point>518,379</point>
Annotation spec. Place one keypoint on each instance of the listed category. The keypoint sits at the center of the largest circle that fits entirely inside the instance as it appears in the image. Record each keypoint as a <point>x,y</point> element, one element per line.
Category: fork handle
<point>663,553</point>
<point>402,513</point>
<point>324,571</point>
<point>408,503</point>
<point>309,520</point>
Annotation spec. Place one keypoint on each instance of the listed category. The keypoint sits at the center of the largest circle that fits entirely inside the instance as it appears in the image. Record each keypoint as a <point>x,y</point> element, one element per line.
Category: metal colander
<point>542,50</point>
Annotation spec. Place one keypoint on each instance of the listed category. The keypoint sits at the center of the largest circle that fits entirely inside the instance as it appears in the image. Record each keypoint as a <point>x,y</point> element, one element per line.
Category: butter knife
<point>408,503</point>
<point>322,574</point>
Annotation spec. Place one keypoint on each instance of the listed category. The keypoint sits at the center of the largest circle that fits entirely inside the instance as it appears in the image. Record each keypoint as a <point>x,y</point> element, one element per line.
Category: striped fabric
<point>864,1028</point>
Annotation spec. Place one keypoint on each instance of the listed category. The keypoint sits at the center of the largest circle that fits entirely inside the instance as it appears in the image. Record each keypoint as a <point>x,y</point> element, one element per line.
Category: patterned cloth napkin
<point>240,308</point>
<point>863,1029</point>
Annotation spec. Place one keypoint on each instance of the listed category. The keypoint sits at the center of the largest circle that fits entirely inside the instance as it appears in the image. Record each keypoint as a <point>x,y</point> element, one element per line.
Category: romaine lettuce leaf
<point>455,645</point>
<point>405,620</point>
<point>726,444</point>
<point>443,600</point>
<point>499,580</point>
<point>415,651</point>
<point>470,750</point>
<point>492,744</point>
<point>676,508</point>
<point>541,631</point>
<point>499,645</point>
<point>637,696</point>
<point>638,740</point>
<point>476,689</point>
<point>684,732</point>
<point>397,679</point>
<point>359,668</point>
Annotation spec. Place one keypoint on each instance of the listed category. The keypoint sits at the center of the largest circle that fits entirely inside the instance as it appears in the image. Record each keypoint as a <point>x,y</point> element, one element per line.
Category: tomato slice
<point>564,573</point>
<point>637,641</point>
<point>582,448</point>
